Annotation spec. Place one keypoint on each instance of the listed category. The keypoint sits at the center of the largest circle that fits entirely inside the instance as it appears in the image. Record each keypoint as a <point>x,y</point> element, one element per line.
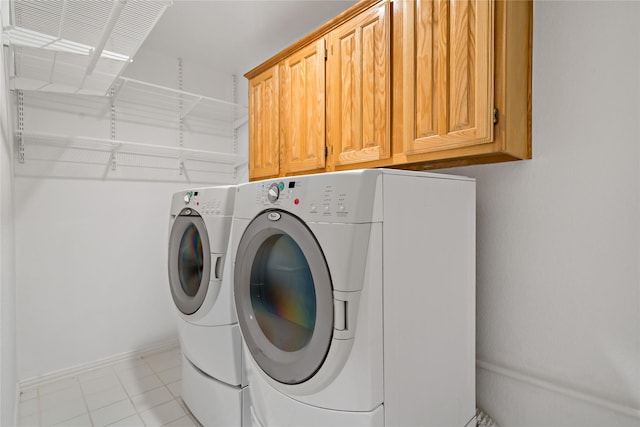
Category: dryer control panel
<point>282,194</point>
<point>322,197</point>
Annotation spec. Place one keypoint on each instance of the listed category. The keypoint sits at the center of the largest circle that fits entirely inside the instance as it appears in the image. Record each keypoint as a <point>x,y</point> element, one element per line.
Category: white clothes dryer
<point>213,379</point>
<point>355,295</point>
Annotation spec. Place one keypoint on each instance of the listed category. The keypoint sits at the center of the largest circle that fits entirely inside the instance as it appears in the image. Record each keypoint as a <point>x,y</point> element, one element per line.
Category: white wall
<point>91,251</point>
<point>558,276</point>
<point>8,362</point>
<point>91,263</point>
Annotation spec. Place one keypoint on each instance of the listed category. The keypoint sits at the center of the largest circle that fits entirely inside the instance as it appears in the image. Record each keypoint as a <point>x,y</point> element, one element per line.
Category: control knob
<point>273,193</point>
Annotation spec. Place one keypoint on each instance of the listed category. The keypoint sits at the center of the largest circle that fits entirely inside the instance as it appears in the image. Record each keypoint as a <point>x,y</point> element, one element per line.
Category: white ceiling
<point>235,36</point>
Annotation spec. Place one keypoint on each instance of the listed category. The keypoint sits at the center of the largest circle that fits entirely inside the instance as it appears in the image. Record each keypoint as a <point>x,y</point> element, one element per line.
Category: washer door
<point>189,261</point>
<point>284,297</point>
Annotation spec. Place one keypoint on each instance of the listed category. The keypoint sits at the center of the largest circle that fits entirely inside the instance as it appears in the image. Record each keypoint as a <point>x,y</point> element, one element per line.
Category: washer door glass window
<point>189,261</point>
<point>284,297</point>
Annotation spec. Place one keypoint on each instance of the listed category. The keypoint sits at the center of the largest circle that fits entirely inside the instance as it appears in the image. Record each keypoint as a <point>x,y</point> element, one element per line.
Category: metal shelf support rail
<point>118,5</point>
<point>162,92</point>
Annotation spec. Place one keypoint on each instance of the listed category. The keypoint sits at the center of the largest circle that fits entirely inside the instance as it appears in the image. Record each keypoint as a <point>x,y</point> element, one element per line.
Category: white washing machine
<point>213,378</point>
<point>355,294</point>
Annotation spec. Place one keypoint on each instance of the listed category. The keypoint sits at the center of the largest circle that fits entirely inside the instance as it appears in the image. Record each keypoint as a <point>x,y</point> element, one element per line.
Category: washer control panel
<point>206,202</point>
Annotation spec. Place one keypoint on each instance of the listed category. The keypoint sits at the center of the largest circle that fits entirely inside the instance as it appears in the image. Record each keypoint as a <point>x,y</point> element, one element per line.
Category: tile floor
<point>138,392</point>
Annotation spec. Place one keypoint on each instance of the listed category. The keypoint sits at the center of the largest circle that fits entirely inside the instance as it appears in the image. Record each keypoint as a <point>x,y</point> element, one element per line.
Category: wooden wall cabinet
<point>465,76</point>
<point>264,111</point>
<point>448,79</point>
<point>417,84</point>
<point>302,109</point>
<point>334,96</point>
<point>359,63</point>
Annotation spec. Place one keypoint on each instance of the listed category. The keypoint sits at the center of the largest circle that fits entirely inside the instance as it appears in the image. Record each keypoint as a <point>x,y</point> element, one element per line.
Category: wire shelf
<point>69,56</point>
<point>203,114</point>
<point>84,143</point>
<point>77,46</point>
<point>63,156</point>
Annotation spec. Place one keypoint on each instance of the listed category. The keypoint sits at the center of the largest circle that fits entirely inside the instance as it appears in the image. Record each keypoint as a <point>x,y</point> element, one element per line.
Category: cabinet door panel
<point>449,57</point>
<point>349,120</point>
<point>302,124</point>
<point>359,66</point>
<point>461,65</point>
<point>374,82</point>
<point>264,145</point>
<point>426,54</point>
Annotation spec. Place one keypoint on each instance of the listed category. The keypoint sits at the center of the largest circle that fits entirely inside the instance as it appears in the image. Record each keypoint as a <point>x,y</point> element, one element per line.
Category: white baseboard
<point>578,395</point>
<point>79,369</point>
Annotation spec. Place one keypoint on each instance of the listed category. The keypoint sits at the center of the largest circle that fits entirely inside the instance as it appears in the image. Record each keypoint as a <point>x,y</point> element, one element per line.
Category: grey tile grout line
<point>85,398</point>
<point>129,396</point>
<point>39,406</point>
<point>133,405</point>
<point>190,415</point>
<point>75,380</point>
<point>86,404</point>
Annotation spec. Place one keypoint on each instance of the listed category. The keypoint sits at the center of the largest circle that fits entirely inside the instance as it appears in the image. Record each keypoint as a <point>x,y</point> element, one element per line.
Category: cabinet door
<point>448,82</point>
<point>264,146</point>
<point>359,88</point>
<point>302,109</point>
